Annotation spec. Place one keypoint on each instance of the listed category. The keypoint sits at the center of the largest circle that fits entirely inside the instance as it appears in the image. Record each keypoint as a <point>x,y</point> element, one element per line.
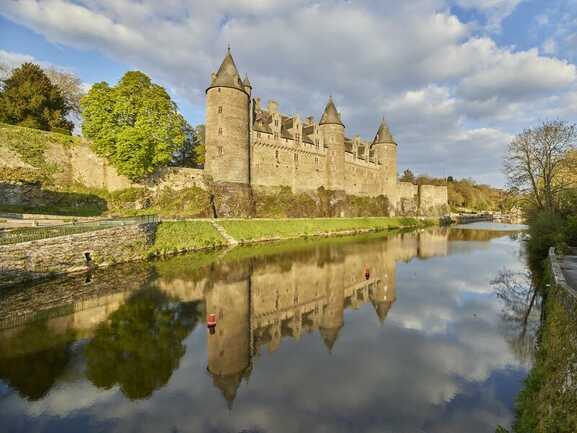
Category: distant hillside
<point>466,194</point>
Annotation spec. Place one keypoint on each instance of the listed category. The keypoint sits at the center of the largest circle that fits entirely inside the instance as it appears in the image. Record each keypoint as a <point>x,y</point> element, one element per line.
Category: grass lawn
<point>172,237</point>
<point>250,229</point>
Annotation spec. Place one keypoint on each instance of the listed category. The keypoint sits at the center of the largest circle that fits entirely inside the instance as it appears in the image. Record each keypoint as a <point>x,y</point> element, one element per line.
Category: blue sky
<point>456,79</point>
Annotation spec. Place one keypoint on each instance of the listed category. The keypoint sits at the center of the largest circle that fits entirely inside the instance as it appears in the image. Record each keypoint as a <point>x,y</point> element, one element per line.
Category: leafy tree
<point>33,359</point>
<point>70,86</point>
<point>28,98</point>
<point>134,124</point>
<point>140,345</point>
<point>200,149</point>
<point>191,154</point>
<point>407,176</point>
<point>537,162</point>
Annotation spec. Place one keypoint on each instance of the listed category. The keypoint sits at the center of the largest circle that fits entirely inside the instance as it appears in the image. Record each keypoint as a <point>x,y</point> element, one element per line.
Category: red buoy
<point>211,320</point>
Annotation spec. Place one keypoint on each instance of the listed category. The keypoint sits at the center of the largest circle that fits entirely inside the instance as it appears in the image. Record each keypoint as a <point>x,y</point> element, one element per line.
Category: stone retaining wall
<point>42,258</point>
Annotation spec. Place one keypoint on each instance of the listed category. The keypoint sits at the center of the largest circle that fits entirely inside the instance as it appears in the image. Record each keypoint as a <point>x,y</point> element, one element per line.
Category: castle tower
<point>229,347</point>
<point>332,319</point>
<point>333,131</point>
<point>386,153</point>
<point>227,125</point>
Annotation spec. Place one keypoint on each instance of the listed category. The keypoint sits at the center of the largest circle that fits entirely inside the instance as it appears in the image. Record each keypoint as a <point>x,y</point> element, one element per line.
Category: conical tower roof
<point>227,75</point>
<point>331,115</point>
<point>384,134</point>
<point>330,336</point>
<point>228,386</point>
<point>246,82</point>
<point>382,309</point>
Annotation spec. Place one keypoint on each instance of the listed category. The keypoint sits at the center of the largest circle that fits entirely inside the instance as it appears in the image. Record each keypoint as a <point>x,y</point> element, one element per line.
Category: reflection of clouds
<point>429,368</point>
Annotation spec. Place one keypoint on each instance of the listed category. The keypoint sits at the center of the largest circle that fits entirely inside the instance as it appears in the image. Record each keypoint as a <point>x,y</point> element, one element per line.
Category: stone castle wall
<point>41,258</point>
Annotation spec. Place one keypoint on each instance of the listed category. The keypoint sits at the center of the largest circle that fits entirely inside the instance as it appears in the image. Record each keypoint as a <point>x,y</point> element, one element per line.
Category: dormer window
<point>219,131</point>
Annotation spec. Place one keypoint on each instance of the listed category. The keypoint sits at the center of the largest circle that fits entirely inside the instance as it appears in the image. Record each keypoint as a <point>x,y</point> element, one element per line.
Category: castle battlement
<point>251,145</point>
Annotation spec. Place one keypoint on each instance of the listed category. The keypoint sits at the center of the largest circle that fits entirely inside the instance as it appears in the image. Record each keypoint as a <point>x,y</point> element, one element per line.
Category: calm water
<point>305,341</point>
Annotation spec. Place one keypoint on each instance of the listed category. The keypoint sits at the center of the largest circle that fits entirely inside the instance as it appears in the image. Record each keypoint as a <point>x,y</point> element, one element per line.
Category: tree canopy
<point>140,345</point>
<point>28,98</point>
<point>539,163</point>
<point>134,124</point>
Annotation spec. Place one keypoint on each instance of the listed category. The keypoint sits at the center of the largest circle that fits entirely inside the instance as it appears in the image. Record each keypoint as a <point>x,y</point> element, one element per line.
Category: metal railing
<point>36,233</point>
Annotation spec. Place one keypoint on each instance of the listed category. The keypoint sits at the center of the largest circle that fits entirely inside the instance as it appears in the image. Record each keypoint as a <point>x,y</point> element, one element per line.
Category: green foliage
<point>465,193</point>
<point>250,230</point>
<point>31,145</point>
<point>179,236</point>
<point>20,174</point>
<point>32,360</point>
<point>134,124</point>
<point>140,345</point>
<point>546,230</point>
<point>548,400</point>
<point>407,176</point>
<point>28,98</point>
<point>284,204</point>
<point>367,206</point>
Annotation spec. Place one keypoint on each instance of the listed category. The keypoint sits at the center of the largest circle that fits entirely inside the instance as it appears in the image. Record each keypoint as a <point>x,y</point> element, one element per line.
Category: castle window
<point>219,150</point>
<point>276,135</point>
<point>218,90</point>
<point>220,109</point>
<point>275,122</point>
<point>276,156</point>
<point>219,131</point>
<point>298,137</point>
<point>258,134</point>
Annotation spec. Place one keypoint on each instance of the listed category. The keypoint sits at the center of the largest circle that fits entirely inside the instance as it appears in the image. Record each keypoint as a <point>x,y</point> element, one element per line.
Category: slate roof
<point>331,115</point>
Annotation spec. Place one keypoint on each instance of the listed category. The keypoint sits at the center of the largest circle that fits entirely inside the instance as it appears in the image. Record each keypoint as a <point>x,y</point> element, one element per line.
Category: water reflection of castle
<point>258,301</point>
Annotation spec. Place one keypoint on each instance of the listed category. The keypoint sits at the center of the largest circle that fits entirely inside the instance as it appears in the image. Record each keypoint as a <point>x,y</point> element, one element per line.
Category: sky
<point>455,79</point>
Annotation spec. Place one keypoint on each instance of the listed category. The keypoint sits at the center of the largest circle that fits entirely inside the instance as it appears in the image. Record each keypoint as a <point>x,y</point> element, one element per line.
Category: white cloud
<point>440,85</point>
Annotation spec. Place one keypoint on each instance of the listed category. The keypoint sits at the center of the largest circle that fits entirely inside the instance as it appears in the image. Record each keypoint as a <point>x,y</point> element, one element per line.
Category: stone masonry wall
<point>433,200</point>
<point>41,258</point>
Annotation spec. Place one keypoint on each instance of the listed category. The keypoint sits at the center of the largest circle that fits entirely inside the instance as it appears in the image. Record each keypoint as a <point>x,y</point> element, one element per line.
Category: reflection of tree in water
<point>520,311</point>
<point>32,360</point>
<point>140,345</point>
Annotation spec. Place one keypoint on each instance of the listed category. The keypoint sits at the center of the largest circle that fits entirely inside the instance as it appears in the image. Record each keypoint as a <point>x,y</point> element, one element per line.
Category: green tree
<point>538,163</point>
<point>134,124</point>
<point>140,345</point>
<point>28,98</point>
<point>407,176</point>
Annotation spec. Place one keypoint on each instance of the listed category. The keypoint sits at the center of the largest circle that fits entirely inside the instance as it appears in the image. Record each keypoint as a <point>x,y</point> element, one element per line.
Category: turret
<point>227,125</point>
<point>332,318</point>
<point>229,357</point>
<point>333,131</point>
<point>246,84</point>
<point>386,154</point>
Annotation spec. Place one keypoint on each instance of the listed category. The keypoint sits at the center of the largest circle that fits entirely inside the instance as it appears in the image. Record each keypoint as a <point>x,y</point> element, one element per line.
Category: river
<point>377,333</point>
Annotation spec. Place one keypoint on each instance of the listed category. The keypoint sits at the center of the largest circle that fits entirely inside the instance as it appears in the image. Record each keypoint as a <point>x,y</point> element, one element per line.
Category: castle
<point>250,146</point>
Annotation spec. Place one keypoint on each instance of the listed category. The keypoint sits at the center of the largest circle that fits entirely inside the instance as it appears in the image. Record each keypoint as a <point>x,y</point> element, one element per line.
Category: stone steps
<point>229,239</point>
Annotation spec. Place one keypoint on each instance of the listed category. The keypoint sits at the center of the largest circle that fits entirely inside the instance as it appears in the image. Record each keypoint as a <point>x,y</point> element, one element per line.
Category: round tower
<point>386,153</point>
<point>333,131</point>
<point>227,125</point>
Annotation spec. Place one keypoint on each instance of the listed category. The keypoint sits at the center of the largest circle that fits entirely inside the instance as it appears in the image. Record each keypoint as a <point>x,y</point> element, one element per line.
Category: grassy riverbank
<point>256,230</point>
<point>548,400</point>
<point>174,237</point>
<point>177,236</point>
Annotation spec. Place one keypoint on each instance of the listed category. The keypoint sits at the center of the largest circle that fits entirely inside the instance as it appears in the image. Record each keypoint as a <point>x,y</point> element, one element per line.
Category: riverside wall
<point>37,259</point>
